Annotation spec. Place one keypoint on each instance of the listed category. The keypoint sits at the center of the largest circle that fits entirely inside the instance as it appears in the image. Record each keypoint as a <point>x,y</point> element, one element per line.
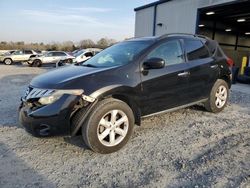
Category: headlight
<point>54,96</point>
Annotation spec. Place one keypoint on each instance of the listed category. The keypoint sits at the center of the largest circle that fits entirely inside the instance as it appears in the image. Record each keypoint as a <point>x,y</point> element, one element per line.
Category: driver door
<point>17,56</point>
<point>167,87</point>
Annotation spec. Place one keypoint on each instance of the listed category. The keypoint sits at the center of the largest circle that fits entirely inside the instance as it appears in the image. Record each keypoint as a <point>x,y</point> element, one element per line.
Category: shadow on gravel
<point>197,107</point>
<point>189,169</point>
<point>20,176</point>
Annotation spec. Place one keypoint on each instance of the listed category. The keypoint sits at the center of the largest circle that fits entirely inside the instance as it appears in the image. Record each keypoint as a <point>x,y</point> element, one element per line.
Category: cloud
<point>64,18</point>
<point>90,9</point>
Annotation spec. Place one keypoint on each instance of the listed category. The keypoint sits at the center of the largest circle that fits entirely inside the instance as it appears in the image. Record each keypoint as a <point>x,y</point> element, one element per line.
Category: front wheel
<point>69,61</point>
<point>218,97</point>
<point>109,126</point>
<point>8,61</point>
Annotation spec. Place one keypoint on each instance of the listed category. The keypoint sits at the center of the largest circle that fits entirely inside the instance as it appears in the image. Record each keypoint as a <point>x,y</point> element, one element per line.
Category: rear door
<point>167,87</point>
<point>202,67</point>
<point>59,56</point>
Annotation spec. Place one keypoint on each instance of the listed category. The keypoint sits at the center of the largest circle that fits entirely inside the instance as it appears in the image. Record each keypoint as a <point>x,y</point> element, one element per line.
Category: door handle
<point>184,74</point>
<point>214,66</point>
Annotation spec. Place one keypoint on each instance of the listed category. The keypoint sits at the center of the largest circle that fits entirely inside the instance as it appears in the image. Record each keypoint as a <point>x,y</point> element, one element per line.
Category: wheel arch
<point>227,79</point>
<point>132,104</point>
<point>121,93</point>
<point>8,58</point>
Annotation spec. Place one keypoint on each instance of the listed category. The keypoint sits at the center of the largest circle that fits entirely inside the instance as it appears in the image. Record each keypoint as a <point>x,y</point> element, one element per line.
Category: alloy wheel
<point>113,128</point>
<point>221,96</point>
<point>7,61</point>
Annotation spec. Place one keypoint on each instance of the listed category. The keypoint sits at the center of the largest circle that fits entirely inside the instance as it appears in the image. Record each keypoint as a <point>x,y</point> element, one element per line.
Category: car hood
<point>68,77</point>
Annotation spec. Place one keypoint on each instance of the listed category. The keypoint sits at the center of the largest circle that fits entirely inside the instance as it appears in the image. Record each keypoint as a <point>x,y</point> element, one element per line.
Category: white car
<point>50,57</point>
<point>17,56</point>
<point>85,54</point>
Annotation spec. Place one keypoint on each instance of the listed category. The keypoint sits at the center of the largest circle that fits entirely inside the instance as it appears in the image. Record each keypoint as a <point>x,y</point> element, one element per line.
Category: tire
<point>69,61</point>
<point>93,131</point>
<point>217,104</point>
<point>37,63</point>
<point>8,61</point>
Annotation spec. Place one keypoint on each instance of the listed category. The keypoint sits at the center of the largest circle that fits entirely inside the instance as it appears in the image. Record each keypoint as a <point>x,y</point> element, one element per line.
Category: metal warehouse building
<point>227,21</point>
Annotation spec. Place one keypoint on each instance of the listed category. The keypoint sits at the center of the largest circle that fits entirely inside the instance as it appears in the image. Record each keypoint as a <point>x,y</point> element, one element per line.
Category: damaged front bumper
<point>57,119</point>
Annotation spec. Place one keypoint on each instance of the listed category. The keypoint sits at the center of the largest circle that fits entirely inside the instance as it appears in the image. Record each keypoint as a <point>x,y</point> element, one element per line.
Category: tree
<point>105,42</point>
<point>66,46</point>
<point>102,43</point>
<point>87,43</point>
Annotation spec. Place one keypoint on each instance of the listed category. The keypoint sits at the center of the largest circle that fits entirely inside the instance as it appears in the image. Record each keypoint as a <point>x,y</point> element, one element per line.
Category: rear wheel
<point>109,126</point>
<point>8,61</point>
<point>37,63</point>
<point>218,97</point>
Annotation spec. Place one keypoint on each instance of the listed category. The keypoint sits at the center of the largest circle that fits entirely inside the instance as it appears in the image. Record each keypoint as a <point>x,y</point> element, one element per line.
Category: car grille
<point>32,93</point>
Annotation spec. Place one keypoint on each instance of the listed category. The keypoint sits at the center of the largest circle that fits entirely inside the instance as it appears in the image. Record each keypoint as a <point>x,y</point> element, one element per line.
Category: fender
<point>126,94</point>
<point>118,91</point>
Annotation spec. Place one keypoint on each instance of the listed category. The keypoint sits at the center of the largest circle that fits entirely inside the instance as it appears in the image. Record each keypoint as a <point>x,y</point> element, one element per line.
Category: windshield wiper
<point>89,65</point>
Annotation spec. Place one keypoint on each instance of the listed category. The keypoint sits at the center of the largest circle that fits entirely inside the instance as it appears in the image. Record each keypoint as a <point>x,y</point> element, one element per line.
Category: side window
<point>59,54</point>
<point>18,52</point>
<point>195,49</point>
<point>49,54</point>
<point>53,54</point>
<point>171,52</point>
<point>88,54</point>
<point>28,52</point>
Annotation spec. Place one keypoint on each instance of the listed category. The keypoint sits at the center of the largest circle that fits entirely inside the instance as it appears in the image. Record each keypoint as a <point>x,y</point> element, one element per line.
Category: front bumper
<point>49,120</point>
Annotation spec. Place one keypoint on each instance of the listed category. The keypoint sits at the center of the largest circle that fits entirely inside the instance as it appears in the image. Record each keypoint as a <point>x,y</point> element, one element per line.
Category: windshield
<point>78,53</point>
<point>117,55</point>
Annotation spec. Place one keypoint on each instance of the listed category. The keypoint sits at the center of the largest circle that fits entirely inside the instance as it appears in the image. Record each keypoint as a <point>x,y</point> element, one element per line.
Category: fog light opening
<point>44,130</point>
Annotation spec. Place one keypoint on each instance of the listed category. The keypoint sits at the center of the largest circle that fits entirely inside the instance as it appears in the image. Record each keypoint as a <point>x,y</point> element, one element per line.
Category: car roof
<point>170,35</point>
<point>56,51</point>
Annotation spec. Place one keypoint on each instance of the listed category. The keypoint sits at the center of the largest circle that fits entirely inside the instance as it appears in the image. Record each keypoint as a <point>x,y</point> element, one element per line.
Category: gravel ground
<point>186,148</point>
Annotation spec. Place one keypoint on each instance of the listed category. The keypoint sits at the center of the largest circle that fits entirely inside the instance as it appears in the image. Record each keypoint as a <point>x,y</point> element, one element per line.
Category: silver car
<point>17,56</point>
<point>50,57</point>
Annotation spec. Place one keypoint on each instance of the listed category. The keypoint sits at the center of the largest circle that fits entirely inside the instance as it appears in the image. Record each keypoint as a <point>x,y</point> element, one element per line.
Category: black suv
<point>104,98</point>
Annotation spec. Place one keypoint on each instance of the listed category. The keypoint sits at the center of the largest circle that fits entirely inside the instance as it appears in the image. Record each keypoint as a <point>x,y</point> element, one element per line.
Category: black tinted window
<point>195,49</point>
<point>171,52</point>
<point>28,52</point>
<point>59,54</point>
<point>88,54</point>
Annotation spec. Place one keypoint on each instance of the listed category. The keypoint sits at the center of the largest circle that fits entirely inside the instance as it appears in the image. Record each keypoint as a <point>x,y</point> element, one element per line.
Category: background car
<point>85,54</point>
<point>50,57</point>
<point>17,56</point>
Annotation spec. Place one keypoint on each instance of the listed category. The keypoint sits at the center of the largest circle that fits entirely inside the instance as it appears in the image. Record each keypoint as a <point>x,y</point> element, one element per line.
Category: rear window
<point>28,52</point>
<point>195,49</point>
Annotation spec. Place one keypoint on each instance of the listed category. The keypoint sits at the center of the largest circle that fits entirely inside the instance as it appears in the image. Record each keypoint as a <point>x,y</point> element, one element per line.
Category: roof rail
<point>203,36</point>
<point>187,34</point>
<point>169,34</point>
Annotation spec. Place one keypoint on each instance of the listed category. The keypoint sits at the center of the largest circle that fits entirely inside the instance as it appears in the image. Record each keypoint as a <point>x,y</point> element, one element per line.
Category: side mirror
<point>153,63</point>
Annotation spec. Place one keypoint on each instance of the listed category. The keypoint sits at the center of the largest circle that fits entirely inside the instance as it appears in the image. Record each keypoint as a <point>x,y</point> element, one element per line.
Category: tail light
<point>230,62</point>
